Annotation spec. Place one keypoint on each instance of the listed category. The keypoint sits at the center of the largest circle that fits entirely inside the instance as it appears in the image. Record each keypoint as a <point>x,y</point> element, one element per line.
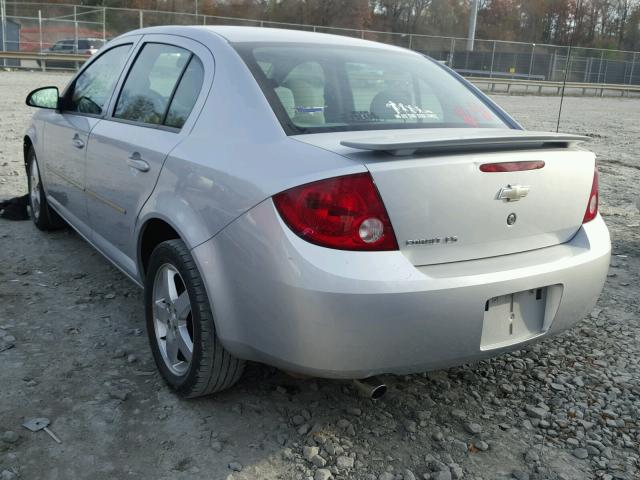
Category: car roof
<point>235,34</point>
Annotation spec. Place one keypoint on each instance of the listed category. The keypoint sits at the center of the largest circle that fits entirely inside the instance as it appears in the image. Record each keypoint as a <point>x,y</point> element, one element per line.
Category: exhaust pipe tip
<point>371,387</point>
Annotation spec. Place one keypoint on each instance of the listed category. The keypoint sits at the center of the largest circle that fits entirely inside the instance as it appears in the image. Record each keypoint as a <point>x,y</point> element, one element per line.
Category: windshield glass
<point>317,88</point>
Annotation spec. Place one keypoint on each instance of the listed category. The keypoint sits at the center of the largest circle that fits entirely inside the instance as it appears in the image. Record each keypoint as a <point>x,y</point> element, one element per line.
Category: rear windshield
<point>317,88</point>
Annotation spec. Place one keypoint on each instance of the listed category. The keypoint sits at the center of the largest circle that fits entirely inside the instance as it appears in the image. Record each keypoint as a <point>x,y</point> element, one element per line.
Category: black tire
<point>211,368</point>
<point>43,216</point>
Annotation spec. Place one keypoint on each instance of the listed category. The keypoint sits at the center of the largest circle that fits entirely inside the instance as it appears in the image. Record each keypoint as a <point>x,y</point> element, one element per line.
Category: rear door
<point>67,132</point>
<point>154,110</point>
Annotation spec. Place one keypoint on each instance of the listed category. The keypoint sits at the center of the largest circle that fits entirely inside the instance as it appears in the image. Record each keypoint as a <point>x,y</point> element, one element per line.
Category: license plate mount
<point>513,318</point>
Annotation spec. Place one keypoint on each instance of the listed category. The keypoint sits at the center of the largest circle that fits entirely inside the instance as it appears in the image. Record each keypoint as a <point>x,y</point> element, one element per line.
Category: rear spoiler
<point>461,140</point>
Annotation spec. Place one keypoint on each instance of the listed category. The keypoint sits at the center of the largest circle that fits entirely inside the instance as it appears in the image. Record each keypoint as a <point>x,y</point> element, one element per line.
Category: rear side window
<point>151,84</point>
<point>186,94</point>
<point>92,89</point>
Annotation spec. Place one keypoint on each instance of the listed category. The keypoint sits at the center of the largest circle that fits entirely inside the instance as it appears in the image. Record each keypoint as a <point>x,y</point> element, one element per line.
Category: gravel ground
<point>566,408</point>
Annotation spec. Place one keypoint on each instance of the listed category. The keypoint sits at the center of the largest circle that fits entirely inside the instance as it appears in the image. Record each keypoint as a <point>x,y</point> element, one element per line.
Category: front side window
<point>151,83</point>
<point>92,89</point>
<point>318,88</point>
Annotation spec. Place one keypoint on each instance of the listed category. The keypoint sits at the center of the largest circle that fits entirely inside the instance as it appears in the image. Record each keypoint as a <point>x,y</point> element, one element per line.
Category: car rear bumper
<point>280,300</point>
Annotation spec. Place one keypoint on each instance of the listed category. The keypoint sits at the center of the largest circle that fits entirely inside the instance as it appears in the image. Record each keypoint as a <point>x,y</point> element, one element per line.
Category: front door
<point>127,150</point>
<point>67,133</point>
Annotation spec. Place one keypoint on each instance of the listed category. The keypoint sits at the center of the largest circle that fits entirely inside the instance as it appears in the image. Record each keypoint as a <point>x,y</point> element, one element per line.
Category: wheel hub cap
<point>34,193</point>
<point>172,320</point>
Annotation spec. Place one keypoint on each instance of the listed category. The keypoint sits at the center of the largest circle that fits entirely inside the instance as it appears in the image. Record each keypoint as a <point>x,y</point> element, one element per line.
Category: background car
<point>276,208</point>
<point>85,46</point>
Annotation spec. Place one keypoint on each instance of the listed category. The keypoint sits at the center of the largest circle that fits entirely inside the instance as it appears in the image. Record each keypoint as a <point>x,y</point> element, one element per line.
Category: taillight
<point>592,206</point>
<point>344,213</point>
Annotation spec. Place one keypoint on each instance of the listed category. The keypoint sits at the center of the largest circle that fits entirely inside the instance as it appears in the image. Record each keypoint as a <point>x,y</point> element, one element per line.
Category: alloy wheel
<point>34,191</point>
<point>172,319</point>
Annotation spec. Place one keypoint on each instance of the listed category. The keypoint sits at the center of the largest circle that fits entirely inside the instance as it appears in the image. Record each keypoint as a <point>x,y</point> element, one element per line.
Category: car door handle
<point>136,161</point>
<point>77,141</point>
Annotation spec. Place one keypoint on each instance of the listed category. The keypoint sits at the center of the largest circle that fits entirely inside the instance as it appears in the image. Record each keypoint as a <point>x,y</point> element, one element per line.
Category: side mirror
<point>44,97</point>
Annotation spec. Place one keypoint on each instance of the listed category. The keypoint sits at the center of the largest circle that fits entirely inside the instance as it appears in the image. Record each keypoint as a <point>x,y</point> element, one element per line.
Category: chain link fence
<point>40,27</point>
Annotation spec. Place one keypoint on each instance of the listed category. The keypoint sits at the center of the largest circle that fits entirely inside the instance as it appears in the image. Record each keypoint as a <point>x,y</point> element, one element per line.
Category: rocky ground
<point>72,349</point>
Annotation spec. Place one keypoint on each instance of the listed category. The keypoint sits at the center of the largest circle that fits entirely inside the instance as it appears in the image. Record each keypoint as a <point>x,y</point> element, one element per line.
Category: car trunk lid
<point>444,208</point>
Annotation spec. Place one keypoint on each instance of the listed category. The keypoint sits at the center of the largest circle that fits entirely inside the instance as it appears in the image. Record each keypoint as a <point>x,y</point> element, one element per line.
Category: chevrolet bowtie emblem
<point>513,193</point>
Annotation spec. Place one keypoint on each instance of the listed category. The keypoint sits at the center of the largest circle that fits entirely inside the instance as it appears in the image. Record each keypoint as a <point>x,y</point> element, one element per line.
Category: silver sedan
<point>327,205</point>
